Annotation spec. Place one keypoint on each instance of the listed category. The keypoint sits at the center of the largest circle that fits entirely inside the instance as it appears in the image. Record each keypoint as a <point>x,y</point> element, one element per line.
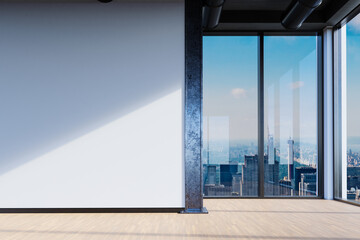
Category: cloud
<point>355,23</point>
<point>288,39</point>
<point>296,85</point>
<point>238,93</point>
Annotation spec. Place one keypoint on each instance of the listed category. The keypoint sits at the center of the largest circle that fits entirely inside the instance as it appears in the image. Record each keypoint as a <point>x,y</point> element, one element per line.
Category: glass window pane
<point>290,109</point>
<point>230,160</point>
<point>353,113</point>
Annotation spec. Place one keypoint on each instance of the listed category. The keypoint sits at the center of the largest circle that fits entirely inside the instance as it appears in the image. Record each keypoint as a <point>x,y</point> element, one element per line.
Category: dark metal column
<point>261,114</point>
<point>320,124</point>
<point>193,107</point>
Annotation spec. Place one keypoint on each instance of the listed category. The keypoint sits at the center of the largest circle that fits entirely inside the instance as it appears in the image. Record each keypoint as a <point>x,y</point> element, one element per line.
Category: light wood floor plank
<point>228,219</point>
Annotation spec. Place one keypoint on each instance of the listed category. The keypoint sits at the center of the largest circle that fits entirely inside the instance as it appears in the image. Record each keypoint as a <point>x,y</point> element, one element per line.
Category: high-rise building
<point>290,159</point>
<point>302,170</point>
<point>353,177</point>
<point>250,176</point>
<point>285,187</point>
<point>307,185</point>
<point>270,150</point>
<point>226,173</point>
<point>271,177</point>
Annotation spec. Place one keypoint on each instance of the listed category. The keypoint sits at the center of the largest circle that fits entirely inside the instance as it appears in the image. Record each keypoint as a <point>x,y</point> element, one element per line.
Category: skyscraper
<point>285,187</point>
<point>250,176</point>
<point>302,170</point>
<point>353,177</point>
<point>307,184</point>
<point>270,150</point>
<point>226,173</point>
<point>290,159</point>
<point>271,176</point>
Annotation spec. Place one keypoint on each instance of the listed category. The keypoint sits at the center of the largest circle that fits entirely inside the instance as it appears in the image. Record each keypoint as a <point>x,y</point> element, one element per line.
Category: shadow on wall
<point>68,69</point>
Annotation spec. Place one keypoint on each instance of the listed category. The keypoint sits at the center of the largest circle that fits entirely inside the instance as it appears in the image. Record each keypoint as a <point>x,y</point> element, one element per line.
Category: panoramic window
<point>230,154</point>
<point>353,113</point>
<point>231,164</point>
<point>290,116</point>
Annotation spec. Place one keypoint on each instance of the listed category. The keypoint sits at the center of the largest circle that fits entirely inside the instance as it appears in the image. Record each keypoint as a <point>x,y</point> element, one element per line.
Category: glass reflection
<point>290,100</point>
<point>353,117</point>
<point>230,160</point>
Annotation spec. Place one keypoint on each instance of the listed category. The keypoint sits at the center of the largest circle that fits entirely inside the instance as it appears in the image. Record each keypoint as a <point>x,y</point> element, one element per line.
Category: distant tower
<point>290,159</point>
<point>270,149</point>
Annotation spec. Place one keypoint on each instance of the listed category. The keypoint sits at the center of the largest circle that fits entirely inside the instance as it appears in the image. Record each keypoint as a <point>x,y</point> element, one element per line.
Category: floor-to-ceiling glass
<point>290,116</point>
<point>229,153</point>
<point>352,170</point>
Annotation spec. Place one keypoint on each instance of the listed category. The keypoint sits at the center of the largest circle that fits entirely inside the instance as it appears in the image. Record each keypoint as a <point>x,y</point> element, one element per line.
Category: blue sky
<point>226,96</point>
<point>230,86</point>
<point>353,75</point>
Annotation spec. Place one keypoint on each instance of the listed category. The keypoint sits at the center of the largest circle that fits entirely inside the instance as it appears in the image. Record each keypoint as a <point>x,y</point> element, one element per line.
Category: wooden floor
<point>228,219</point>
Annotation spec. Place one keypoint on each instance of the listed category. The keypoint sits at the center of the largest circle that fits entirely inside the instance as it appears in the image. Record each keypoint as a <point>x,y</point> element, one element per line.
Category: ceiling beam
<point>230,16</point>
<point>261,20</point>
<point>338,10</point>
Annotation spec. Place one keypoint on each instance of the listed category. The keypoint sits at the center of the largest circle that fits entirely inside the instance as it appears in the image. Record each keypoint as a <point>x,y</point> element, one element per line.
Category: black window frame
<point>337,175</point>
<point>320,110</point>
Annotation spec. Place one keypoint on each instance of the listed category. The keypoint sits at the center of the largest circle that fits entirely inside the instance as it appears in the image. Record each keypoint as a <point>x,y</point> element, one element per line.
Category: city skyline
<point>230,127</point>
<point>353,114</point>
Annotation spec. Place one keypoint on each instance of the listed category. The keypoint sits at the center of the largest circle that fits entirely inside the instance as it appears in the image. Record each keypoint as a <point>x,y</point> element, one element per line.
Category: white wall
<point>91,101</point>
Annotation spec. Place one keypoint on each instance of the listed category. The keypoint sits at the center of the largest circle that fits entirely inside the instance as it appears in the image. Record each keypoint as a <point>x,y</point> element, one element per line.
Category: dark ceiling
<point>266,15</point>
<point>264,5</point>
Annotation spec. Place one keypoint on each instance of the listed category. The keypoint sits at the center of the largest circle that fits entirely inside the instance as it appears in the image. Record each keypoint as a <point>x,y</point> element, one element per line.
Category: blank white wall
<point>91,104</point>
